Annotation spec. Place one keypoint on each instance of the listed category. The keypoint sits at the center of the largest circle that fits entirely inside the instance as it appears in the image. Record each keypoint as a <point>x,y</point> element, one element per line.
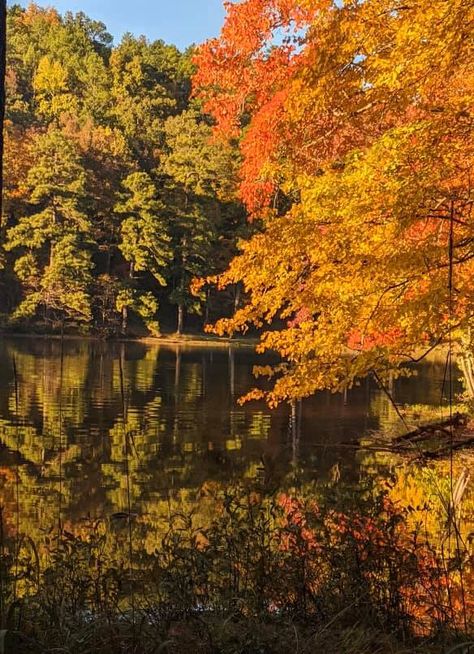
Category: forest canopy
<point>116,196</point>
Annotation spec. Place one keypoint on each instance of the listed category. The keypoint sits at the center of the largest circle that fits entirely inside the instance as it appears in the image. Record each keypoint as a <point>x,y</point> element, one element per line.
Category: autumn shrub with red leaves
<point>287,554</point>
<point>372,562</point>
<point>287,563</point>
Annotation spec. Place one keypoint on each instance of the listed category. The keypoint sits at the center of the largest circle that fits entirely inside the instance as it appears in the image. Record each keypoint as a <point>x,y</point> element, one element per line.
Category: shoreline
<point>192,340</point>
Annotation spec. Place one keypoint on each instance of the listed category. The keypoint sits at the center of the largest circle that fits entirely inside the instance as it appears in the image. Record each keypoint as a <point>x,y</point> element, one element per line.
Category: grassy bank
<point>246,571</point>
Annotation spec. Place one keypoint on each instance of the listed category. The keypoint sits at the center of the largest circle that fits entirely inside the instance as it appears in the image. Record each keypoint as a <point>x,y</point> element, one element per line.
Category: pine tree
<point>200,177</point>
<point>54,265</point>
<point>145,241</point>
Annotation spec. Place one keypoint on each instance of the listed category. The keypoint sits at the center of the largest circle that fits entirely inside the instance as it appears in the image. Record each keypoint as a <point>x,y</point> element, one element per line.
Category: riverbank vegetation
<point>246,569</point>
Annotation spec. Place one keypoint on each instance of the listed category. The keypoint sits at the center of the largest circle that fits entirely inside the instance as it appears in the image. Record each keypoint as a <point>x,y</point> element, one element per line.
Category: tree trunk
<point>124,320</point>
<point>467,362</point>
<point>467,365</point>
<point>182,284</point>
<point>231,371</point>
<point>179,329</point>
<point>206,312</point>
<point>237,297</point>
<point>294,432</point>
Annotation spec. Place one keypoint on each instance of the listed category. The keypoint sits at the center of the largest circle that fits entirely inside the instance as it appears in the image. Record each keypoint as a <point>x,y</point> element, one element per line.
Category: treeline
<point>116,196</point>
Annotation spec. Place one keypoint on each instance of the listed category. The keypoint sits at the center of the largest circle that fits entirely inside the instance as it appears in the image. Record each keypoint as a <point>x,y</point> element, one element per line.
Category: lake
<point>184,423</point>
<point>78,456</point>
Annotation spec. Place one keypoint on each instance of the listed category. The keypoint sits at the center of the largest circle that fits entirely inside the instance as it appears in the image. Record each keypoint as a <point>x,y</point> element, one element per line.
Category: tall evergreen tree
<point>145,241</point>
<point>54,265</point>
<point>200,177</point>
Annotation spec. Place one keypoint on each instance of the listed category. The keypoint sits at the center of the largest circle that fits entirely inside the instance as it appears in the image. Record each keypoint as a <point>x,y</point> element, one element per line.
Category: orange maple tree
<point>355,124</point>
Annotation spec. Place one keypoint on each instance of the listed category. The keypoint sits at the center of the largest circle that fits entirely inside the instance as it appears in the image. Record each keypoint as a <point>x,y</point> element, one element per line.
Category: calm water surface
<point>184,425</point>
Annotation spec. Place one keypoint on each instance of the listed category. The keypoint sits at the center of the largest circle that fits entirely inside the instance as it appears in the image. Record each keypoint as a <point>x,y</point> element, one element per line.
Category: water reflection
<point>183,424</point>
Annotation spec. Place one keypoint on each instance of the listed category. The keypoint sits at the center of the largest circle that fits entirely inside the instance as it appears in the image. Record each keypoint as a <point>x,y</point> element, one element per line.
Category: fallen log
<point>447,449</point>
<point>423,432</point>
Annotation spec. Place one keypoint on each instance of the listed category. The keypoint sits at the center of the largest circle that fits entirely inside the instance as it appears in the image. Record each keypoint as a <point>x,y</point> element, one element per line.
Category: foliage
<point>144,232</point>
<point>108,167</point>
<point>199,189</point>
<point>285,566</point>
<point>356,134</point>
<point>54,264</point>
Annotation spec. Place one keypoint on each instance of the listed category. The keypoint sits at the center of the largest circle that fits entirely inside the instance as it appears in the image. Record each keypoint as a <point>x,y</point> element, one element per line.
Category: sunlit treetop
<point>356,134</point>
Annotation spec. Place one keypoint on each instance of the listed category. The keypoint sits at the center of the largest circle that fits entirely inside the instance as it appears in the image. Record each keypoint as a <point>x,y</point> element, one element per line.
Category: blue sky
<point>180,22</point>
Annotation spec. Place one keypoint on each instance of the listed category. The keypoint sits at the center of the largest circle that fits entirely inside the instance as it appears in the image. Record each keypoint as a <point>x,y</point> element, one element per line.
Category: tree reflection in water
<point>189,439</point>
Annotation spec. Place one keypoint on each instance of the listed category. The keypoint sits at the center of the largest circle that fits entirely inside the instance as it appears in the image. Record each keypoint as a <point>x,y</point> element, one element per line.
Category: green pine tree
<point>145,241</point>
<point>200,180</point>
<point>54,265</point>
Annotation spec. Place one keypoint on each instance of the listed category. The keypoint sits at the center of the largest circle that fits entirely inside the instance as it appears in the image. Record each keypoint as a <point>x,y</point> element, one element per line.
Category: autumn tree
<point>355,122</point>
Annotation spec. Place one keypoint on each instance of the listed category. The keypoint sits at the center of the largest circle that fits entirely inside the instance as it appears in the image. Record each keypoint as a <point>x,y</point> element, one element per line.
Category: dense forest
<point>342,131</point>
<point>116,196</point>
